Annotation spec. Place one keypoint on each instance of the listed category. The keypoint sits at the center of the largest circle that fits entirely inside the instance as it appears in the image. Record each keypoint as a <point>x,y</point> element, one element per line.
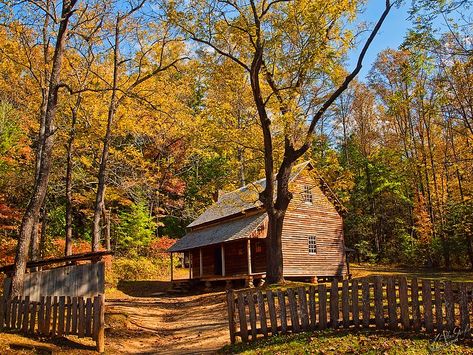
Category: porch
<point>229,262</point>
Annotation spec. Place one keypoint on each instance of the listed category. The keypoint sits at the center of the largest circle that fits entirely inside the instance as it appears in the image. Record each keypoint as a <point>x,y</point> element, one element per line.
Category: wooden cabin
<point>227,242</point>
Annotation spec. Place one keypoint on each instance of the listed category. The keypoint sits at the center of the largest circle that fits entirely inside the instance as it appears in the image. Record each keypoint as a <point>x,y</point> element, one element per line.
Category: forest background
<point>397,148</point>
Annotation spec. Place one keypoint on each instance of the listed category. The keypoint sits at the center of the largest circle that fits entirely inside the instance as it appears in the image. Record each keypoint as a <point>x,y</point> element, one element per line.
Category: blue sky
<point>391,35</point>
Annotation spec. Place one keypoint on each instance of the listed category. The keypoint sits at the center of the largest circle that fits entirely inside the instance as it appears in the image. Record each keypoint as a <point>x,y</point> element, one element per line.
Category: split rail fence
<point>373,302</point>
<point>56,316</point>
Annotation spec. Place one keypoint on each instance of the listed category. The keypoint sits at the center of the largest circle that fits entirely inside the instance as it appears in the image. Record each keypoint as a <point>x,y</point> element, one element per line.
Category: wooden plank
<point>33,314</point>
<point>41,313</point>
<point>427,305</point>
<point>392,304</point>
<point>293,310</point>
<point>282,311</point>
<point>100,341</point>
<point>404,303</point>
<point>88,317</point>
<point>334,308</point>
<point>242,317</point>
<point>81,317</point>
<point>61,316</point>
<point>230,312</point>
<point>47,317</point>
<point>322,306</point>
<point>55,312</point>
<point>312,312</point>
<point>67,330</point>
<point>365,289</point>
<point>463,301</point>
<point>252,313</point>
<point>262,314</point>
<point>345,304</point>
<point>378,302</point>
<point>438,306</point>
<point>355,299</point>
<point>2,312</point>
<point>74,308</point>
<point>303,307</point>
<point>272,312</point>
<point>449,306</point>
<point>8,313</point>
<point>26,311</point>
<point>14,313</point>
<point>20,309</point>
<point>416,321</point>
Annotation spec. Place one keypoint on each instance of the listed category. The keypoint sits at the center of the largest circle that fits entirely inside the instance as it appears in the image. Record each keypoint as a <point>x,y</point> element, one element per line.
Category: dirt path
<point>167,325</point>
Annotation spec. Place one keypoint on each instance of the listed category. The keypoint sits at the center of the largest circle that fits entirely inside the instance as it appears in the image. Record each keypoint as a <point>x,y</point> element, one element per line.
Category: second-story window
<point>307,194</point>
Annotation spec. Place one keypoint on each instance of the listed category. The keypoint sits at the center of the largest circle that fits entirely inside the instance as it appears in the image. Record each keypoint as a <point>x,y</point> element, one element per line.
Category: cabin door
<point>218,261</point>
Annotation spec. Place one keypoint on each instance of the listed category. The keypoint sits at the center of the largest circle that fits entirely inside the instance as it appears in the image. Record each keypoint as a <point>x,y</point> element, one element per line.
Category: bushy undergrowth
<point>138,268</point>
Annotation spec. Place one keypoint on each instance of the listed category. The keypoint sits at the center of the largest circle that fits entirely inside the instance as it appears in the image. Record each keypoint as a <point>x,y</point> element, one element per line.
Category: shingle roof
<point>240,200</point>
<point>219,233</point>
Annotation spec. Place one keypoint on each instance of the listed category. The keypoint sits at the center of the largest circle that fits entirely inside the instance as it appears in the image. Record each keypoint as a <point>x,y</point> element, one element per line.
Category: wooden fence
<point>55,316</point>
<point>373,302</point>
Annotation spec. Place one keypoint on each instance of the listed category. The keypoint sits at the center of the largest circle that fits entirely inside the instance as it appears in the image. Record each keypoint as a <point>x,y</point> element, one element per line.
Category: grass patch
<point>343,342</point>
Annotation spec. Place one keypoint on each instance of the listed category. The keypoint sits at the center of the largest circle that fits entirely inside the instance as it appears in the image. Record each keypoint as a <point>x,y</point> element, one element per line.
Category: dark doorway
<point>218,261</point>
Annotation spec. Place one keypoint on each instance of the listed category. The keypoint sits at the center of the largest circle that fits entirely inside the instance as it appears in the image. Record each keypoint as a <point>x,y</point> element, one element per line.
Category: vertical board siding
<point>396,303</point>
<point>86,280</point>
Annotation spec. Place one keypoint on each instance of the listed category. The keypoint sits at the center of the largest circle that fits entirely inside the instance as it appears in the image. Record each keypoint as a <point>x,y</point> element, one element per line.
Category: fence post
<point>391,294</point>
<point>303,306</point>
<point>282,311</point>
<point>464,315</point>
<point>415,304</point>
<point>449,306</point>
<point>334,309</point>
<point>322,306</point>
<point>427,301</point>
<point>26,311</point>
<point>354,300</point>
<point>2,312</point>
<point>272,312</point>
<point>438,306</point>
<point>345,304</point>
<point>252,313</point>
<point>242,318</point>
<point>404,303</point>
<point>365,288</point>
<point>262,314</point>
<point>100,341</point>
<point>231,314</point>
<point>313,317</point>
<point>293,310</point>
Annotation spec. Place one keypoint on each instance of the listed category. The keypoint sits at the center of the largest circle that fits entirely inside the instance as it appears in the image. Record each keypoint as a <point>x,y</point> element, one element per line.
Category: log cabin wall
<point>319,219</point>
<point>258,255</point>
<point>236,256</point>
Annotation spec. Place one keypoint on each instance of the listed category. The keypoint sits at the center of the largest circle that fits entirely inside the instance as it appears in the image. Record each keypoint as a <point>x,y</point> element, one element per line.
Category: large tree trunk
<point>41,184</point>
<point>100,196</point>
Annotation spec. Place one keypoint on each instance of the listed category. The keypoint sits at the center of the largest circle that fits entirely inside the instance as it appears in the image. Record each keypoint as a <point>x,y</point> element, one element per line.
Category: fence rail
<point>55,316</point>
<point>378,302</point>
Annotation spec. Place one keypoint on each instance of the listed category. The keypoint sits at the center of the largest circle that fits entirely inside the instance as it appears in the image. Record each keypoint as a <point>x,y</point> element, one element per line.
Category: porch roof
<point>219,233</point>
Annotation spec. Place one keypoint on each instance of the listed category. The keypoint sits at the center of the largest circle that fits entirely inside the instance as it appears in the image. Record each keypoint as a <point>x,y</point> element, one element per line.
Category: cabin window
<point>312,244</point>
<point>259,248</point>
<point>307,194</point>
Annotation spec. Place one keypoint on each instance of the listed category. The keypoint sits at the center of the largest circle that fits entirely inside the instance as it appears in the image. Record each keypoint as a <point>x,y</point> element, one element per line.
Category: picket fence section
<point>374,302</point>
<point>56,316</point>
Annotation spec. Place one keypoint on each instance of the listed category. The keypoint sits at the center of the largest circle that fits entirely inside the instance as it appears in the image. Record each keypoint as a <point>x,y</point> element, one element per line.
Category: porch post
<point>223,259</point>
<point>248,246</point>
<point>201,263</point>
<point>190,264</point>
<point>171,269</point>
